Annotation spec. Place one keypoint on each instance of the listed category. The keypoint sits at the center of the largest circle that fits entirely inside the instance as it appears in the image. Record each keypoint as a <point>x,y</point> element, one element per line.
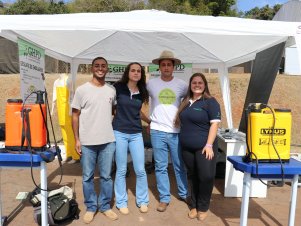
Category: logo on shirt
<point>198,109</point>
<point>137,101</point>
<point>167,96</point>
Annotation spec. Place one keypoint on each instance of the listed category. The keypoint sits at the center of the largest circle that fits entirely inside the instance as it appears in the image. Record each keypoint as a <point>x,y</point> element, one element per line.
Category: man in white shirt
<point>166,92</point>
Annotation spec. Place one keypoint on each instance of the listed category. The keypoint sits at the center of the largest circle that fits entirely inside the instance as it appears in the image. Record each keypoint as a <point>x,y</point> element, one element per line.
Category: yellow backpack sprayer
<point>268,133</point>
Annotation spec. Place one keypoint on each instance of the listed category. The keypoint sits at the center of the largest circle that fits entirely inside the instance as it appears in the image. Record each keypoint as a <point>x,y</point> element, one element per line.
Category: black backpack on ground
<point>61,209</point>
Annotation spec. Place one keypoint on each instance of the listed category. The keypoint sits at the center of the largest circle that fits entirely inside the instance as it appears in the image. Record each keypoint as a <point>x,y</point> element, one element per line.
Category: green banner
<point>32,67</point>
<point>178,68</point>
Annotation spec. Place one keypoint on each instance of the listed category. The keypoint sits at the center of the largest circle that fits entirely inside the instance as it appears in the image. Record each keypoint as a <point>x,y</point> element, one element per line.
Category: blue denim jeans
<point>102,155</point>
<point>133,143</point>
<point>162,143</point>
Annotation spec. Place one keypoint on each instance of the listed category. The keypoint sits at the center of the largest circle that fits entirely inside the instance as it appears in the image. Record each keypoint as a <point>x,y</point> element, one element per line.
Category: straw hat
<point>167,55</point>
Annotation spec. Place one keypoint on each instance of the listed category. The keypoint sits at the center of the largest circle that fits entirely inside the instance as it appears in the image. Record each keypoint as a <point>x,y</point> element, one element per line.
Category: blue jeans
<point>133,142</point>
<point>163,142</point>
<point>102,155</point>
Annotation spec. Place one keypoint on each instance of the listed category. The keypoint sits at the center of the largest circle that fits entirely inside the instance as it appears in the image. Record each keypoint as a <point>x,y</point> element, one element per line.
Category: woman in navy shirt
<point>131,93</point>
<point>199,116</point>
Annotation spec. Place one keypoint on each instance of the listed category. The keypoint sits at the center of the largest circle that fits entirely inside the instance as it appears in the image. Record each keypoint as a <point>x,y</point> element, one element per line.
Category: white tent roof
<point>141,36</point>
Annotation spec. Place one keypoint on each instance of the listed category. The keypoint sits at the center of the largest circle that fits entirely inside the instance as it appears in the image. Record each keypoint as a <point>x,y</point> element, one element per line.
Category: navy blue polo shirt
<point>127,118</point>
<point>195,122</point>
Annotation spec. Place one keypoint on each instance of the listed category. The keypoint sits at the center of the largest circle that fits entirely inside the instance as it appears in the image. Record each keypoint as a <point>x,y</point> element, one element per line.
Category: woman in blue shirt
<point>199,116</point>
<point>131,93</point>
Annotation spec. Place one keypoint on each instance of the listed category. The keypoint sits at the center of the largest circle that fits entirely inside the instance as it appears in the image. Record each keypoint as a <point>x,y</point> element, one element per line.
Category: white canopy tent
<point>122,37</point>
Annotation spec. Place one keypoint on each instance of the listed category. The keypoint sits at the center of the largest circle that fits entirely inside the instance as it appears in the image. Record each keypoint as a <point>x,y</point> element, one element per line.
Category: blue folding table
<point>27,160</point>
<point>272,171</point>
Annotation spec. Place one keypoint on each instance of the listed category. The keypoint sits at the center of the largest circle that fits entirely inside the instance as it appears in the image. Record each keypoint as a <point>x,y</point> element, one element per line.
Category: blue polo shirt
<point>195,122</point>
<point>127,118</point>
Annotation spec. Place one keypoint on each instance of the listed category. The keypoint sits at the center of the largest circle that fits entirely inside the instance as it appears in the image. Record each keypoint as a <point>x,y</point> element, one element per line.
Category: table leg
<point>291,219</point>
<point>44,209</point>
<point>2,218</point>
<point>245,199</point>
<point>0,204</point>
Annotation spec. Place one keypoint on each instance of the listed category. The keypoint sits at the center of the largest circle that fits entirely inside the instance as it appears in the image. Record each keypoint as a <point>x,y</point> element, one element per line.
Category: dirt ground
<point>272,210</point>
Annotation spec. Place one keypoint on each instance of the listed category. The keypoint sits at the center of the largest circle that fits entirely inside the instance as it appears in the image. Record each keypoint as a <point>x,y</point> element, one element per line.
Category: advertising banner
<point>116,72</point>
<point>32,67</point>
<point>182,71</point>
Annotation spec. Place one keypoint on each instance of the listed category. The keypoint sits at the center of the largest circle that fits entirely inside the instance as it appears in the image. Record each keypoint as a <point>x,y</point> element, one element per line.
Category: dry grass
<point>285,94</point>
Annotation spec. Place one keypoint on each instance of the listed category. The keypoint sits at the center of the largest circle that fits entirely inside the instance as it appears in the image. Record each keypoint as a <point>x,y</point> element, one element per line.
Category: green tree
<point>276,8</point>
<point>57,8</point>
<point>264,13</point>
<point>1,7</point>
<point>27,7</point>
<point>104,5</point>
<point>36,7</point>
<point>166,5</point>
<point>197,7</point>
<point>221,7</point>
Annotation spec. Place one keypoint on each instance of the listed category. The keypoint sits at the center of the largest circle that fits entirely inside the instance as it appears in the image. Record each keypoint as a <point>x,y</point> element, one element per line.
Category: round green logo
<point>167,96</point>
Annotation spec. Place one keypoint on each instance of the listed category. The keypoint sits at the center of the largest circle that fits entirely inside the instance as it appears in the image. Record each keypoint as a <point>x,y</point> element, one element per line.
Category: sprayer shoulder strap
<point>45,123</point>
<point>27,133</point>
<point>25,128</point>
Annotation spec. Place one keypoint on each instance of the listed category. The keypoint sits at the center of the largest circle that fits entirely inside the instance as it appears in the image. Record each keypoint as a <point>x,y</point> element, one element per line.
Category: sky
<point>242,5</point>
<point>246,5</point>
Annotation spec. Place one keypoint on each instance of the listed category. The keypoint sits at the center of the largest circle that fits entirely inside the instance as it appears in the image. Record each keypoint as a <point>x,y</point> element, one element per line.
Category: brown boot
<point>162,206</point>
<point>202,215</point>
<point>193,213</point>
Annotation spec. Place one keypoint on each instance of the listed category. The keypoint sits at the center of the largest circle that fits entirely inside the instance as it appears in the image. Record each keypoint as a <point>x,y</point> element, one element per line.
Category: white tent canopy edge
<point>122,37</point>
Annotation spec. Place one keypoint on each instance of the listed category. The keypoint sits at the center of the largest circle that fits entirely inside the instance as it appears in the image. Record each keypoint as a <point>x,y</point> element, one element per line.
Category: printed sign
<point>116,72</point>
<point>182,71</point>
<point>32,67</point>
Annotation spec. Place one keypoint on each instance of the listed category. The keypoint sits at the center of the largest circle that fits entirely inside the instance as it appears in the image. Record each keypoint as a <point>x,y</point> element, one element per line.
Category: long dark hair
<point>141,83</point>
<point>206,94</point>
